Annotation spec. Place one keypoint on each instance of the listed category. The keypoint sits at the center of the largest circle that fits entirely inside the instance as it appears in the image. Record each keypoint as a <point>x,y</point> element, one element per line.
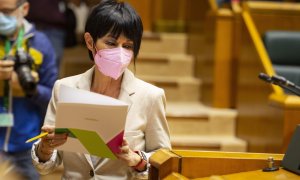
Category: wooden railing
<point>197,164</point>
<point>225,59</point>
<point>213,5</point>
<point>288,104</point>
<point>239,57</point>
<point>260,48</point>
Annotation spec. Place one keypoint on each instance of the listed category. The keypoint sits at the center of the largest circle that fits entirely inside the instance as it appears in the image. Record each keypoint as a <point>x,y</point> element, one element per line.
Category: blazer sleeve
<point>51,110</point>
<point>56,159</point>
<point>157,131</point>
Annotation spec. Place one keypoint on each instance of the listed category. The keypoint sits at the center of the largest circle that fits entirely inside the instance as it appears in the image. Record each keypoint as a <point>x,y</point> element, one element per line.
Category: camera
<point>23,66</point>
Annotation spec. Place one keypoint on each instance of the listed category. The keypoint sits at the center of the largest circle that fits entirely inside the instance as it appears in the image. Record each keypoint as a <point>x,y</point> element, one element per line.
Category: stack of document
<point>95,122</point>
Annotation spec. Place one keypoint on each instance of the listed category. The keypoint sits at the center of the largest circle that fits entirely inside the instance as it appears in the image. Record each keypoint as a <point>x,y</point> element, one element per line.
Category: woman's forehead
<point>120,37</point>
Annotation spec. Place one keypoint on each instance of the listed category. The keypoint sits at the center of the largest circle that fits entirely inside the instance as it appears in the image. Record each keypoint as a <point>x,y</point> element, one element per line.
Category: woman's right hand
<point>49,143</point>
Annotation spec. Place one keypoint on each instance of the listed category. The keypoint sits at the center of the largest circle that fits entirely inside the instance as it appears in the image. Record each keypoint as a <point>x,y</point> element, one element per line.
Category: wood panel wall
<point>201,38</point>
<point>145,10</point>
<point>260,124</point>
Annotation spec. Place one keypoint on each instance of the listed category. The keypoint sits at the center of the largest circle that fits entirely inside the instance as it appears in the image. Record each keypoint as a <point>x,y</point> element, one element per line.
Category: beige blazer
<point>146,129</point>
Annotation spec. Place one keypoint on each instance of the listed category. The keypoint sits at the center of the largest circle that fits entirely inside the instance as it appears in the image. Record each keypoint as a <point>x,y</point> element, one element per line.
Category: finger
<point>46,149</point>
<point>124,149</point>
<point>49,136</point>
<point>6,69</point>
<point>54,137</point>
<point>46,138</point>
<point>58,143</point>
<point>50,143</point>
<point>61,136</point>
<point>35,76</point>
<point>121,156</point>
<point>48,128</point>
<point>47,141</point>
<point>125,142</point>
<point>55,143</point>
<point>7,63</point>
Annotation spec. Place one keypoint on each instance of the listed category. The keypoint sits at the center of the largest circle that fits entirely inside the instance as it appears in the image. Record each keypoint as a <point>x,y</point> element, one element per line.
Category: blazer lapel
<point>127,91</point>
<point>85,79</point>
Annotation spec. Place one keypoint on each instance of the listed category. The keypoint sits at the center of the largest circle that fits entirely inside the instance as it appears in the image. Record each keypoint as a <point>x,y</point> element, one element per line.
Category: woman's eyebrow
<point>111,36</point>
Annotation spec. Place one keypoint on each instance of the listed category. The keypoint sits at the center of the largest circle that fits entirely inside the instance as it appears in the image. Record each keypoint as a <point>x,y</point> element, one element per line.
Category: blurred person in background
<point>81,11</point>
<point>57,21</point>
<point>27,67</point>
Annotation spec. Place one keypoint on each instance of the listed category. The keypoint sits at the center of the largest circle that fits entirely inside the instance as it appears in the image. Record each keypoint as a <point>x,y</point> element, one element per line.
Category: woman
<point>113,35</point>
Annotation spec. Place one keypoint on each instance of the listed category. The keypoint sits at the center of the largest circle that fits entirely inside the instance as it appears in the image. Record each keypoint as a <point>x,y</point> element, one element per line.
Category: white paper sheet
<point>84,110</point>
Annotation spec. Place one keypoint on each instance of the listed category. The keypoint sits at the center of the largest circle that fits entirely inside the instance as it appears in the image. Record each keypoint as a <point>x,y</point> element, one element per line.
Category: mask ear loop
<point>95,49</point>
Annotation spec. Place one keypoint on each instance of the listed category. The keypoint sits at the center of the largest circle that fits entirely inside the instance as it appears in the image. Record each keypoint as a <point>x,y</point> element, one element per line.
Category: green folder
<point>90,140</point>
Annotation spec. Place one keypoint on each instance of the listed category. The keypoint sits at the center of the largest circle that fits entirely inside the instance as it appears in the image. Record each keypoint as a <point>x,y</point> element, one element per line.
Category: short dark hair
<point>19,2</point>
<point>110,16</point>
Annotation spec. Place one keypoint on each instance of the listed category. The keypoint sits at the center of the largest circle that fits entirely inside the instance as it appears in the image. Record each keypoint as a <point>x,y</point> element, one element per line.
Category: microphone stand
<point>282,82</point>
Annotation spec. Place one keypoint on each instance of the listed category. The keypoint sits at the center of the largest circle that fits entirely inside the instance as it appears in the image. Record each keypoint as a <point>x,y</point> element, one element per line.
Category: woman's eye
<point>110,43</point>
<point>128,47</point>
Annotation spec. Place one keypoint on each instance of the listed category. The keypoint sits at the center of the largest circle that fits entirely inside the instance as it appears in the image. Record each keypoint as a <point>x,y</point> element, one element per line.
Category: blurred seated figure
<point>81,10</point>
<point>57,21</point>
<point>220,3</point>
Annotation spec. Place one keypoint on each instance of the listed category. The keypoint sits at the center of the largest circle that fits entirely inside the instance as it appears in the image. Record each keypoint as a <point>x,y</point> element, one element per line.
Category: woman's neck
<point>105,85</point>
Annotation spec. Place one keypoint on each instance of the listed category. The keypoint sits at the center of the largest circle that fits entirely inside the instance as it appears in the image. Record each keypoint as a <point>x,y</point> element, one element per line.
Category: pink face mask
<point>113,62</point>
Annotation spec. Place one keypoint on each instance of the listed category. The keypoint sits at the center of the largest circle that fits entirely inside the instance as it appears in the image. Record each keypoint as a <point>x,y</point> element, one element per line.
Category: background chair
<point>283,48</point>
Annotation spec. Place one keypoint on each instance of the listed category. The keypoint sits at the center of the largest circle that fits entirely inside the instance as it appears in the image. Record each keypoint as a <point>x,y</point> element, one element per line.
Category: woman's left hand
<point>127,155</point>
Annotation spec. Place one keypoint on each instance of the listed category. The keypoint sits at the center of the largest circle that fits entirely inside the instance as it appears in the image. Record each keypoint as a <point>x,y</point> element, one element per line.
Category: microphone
<point>265,77</point>
<point>280,81</point>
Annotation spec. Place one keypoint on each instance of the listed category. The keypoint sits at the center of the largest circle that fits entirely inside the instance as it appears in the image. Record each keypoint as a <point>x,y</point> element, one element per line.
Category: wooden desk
<point>200,164</point>
<point>257,175</point>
